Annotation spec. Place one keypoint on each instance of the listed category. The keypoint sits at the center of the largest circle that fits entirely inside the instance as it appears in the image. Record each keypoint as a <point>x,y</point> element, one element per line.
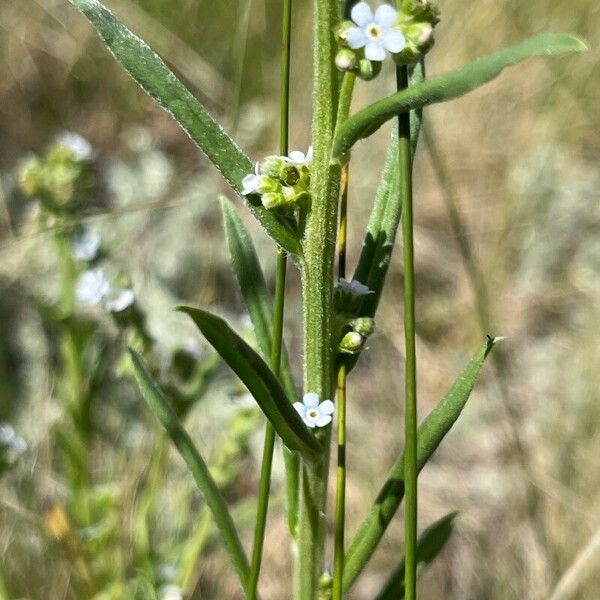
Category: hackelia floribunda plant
<point>299,201</point>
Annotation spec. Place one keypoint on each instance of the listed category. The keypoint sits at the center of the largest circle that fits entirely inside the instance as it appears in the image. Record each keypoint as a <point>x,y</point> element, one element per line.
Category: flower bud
<point>346,60</point>
<point>424,11</point>
<point>352,343</point>
<point>363,325</point>
<point>368,69</point>
<point>341,33</point>
<point>268,185</point>
<point>272,166</point>
<point>272,200</point>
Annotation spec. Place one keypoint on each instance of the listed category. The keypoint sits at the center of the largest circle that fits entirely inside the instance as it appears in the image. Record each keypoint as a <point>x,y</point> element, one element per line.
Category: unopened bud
<point>346,60</point>
<point>352,343</point>
<point>272,166</point>
<point>341,33</point>
<point>363,325</point>
<point>272,200</point>
<point>368,69</point>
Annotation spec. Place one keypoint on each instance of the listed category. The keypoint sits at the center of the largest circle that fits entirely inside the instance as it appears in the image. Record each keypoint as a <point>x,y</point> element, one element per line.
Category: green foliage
<point>149,70</point>
<point>431,542</point>
<point>260,381</point>
<point>449,86</point>
<point>430,434</point>
<point>162,409</point>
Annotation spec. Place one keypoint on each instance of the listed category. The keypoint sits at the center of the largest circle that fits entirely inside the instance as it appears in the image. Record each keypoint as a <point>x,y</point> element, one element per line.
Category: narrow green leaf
<point>260,381</point>
<point>449,86</point>
<point>260,307</point>
<point>429,436</point>
<point>379,241</point>
<point>162,409</point>
<point>429,545</point>
<point>253,287</point>
<point>153,75</point>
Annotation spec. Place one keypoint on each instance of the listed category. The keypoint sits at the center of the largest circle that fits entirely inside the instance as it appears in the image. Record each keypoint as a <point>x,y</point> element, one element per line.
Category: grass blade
<point>162,409</point>
<point>430,544</point>
<point>449,86</point>
<point>260,381</point>
<point>153,75</point>
<point>430,434</point>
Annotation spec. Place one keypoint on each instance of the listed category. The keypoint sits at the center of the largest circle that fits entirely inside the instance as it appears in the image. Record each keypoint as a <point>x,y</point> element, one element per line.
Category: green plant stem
<point>317,290</point>
<point>340,498</point>
<point>410,414</point>
<point>277,333</point>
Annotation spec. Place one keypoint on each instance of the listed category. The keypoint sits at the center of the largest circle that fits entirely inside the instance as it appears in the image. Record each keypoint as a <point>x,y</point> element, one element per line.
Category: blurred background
<point>507,242</point>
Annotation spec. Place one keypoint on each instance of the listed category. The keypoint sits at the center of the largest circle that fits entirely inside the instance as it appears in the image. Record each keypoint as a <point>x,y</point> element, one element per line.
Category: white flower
<point>11,442</point>
<point>194,348</point>
<point>117,300</point>
<point>298,158</point>
<point>86,246</point>
<point>375,34</point>
<point>78,145</point>
<point>92,287</point>
<point>313,412</point>
<point>251,182</point>
<point>354,287</point>
<point>170,591</point>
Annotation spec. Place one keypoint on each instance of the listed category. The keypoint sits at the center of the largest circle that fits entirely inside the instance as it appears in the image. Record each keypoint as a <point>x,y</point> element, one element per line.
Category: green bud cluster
<point>283,184</point>
<point>61,181</point>
<point>416,20</point>
<point>355,335</point>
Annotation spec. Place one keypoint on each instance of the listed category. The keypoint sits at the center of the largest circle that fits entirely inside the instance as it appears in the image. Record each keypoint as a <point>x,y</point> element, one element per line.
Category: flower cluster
<point>366,40</point>
<point>94,288</point>
<point>281,181</point>
<point>353,330</point>
<point>63,180</point>
<point>315,413</point>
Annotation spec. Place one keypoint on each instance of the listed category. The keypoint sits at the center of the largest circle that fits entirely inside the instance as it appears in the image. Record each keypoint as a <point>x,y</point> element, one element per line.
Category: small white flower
<point>313,412</point>
<point>298,158</point>
<point>251,182</point>
<point>11,442</point>
<point>78,145</point>
<point>170,591</point>
<point>92,287</point>
<point>354,287</point>
<point>86,246</point>
<point>375,34</point>
<point>194,348</point>
<point>117,300</point>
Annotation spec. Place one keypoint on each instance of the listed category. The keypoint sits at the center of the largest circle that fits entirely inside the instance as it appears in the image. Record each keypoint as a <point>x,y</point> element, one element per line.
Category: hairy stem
<point>317,288</point>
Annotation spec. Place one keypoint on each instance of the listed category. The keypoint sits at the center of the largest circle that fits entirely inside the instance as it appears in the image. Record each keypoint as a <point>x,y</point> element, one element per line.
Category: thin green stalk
<point>340,502</point>
<point>410,414</point>
<point>317,290</point>
<point>277,333</point>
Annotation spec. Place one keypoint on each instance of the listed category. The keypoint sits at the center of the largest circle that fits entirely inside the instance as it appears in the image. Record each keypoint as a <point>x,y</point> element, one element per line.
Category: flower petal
<point>385,16</point>
<point>361,14</point>
<point>394,41</point>
<point>309,423</point>
<point>249,184</point>
<point>375,51</point>
<point>356,38</point>
<point>311,400</point>
<point>323,420</point>
<point>326,407</point>
<point>297,157</point>
<point>309,155</point>
<point>300,408</point>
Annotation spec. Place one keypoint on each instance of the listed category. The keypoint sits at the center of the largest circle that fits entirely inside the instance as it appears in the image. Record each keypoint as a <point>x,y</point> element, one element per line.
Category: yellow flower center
<point>313,414</point>
<point>374,32</point>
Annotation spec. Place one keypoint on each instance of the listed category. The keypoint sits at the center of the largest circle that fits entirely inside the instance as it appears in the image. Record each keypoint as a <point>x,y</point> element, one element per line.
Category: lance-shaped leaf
<point>162,409</point>
<point>429,545</point>
<point>153,75</point>
<point>260,307</point>
<point>260,381</point>
<point>430,434</point>
<point>449,86</point>
<point>253,287</point>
